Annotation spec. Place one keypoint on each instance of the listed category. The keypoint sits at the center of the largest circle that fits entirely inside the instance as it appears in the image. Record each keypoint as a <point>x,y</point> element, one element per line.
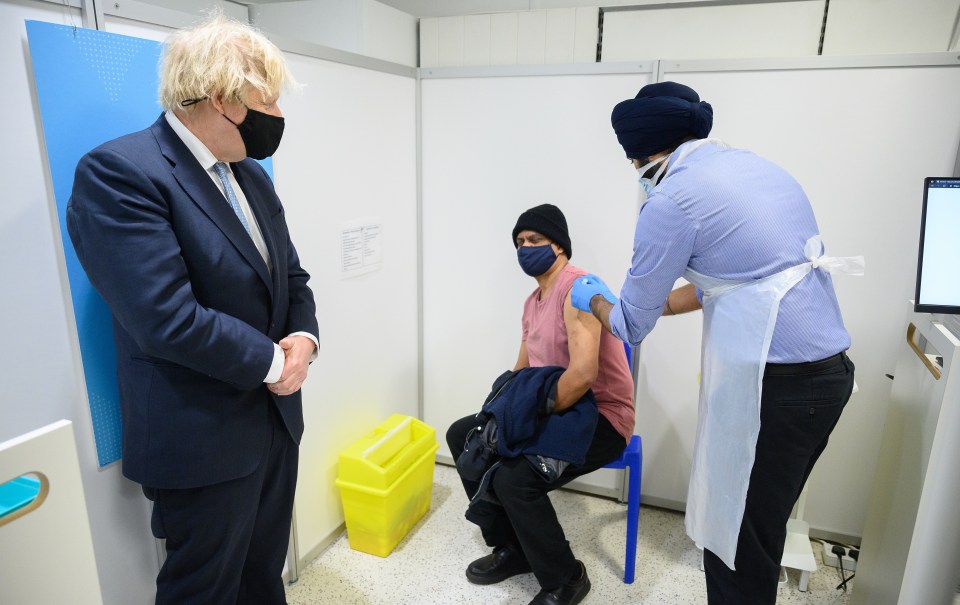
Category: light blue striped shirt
<point>731,214</point>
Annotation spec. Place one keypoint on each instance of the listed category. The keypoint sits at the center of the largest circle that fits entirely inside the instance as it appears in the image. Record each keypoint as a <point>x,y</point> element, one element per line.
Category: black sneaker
<point>504,562</point>
<point>568,594</point>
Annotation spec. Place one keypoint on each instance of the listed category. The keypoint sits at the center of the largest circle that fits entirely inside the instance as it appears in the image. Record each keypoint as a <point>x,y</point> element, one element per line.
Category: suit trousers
<point>227,543</point>
<point>527,517</point>
<point>799,408</point>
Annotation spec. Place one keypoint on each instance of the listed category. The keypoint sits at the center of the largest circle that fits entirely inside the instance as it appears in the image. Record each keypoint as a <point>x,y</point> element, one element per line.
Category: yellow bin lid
<point>378,459</point>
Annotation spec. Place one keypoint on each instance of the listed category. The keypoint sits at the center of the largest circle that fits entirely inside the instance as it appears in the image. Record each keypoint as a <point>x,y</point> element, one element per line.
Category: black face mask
<point>261,133</point>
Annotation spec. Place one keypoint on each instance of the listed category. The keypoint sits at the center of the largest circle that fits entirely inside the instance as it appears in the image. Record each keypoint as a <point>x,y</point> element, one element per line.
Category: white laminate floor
<point>427,567</point>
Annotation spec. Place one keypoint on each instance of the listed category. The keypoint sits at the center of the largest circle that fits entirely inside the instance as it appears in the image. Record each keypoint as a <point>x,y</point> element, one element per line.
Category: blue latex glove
<point>585,288</point>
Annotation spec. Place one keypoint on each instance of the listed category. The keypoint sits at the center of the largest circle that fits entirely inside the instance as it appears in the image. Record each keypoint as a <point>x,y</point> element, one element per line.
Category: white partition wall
<point>348,154</point>
<point>725,29</point>
<point>866,26</point>
<point>137,29</point>
<point>493,147</point>
<point>47,551</point>
<point>40,360</point>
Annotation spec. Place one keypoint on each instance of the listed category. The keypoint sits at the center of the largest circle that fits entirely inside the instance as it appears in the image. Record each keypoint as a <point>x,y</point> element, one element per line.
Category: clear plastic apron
<point>738,322</point>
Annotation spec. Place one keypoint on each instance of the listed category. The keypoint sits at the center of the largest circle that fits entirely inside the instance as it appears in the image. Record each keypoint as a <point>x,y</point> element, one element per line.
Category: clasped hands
<point>585,288</point>
<point>297,351</point>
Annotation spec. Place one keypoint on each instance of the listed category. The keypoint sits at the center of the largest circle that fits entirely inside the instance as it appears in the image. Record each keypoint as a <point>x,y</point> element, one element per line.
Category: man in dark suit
<point>214,324</point>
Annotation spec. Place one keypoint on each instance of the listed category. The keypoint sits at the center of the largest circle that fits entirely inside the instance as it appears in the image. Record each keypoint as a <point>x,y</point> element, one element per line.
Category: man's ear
<point>216,100</point>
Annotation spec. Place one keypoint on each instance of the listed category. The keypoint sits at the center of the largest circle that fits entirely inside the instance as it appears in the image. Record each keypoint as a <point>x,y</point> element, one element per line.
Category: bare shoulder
<point>573,316</point>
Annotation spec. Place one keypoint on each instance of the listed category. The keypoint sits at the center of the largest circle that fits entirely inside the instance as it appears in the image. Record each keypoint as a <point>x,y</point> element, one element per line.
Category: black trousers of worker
<point>227,543</point>
<point>528,518</point>
<point>800,405</point>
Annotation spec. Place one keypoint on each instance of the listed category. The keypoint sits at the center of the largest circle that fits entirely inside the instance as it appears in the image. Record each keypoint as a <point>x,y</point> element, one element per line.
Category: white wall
<point>367,367</point>
<point>137,29</point>
<point>706,30</point>
<point>40,363</point>
<point>325,175</point>
<point>563,35</point>
<point>349,153</point>
<point>785,29</point>
<point>334,24</point>
<point>492,148</point>
<point>389,34</point>
<point>891,26</point>
<point>364,27</point>
<point>172,13</point>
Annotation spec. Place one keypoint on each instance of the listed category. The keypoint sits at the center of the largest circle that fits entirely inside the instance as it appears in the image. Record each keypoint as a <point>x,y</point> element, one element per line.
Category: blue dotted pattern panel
<point>92,87</point>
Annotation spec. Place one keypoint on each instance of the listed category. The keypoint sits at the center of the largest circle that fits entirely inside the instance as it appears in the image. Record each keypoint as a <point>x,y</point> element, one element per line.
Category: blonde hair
<point>220,57</point>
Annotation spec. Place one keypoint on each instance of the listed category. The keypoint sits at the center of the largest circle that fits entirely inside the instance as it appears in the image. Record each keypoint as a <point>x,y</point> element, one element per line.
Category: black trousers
<point>527,518</point>
<point>799,408</point>
<point>227,543</point>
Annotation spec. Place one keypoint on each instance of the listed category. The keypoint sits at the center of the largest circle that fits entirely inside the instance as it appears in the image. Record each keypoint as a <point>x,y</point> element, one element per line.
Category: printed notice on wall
<point>361,247</point>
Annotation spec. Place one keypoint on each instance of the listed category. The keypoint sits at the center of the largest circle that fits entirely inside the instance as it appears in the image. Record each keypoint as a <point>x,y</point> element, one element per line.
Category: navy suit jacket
<point>196,310</point>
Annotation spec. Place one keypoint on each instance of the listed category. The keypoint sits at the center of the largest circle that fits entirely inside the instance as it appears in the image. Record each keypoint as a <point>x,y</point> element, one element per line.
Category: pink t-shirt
<point>546,338</point>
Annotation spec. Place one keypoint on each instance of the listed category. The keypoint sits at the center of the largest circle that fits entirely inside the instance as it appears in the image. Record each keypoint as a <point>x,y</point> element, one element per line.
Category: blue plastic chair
<point>632,461</point>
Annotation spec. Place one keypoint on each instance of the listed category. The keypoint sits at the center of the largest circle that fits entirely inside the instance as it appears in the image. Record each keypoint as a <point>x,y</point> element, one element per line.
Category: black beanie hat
<point>547,220</point>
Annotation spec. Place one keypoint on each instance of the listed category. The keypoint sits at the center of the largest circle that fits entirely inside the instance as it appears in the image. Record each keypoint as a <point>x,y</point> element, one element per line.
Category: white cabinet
<point>46,548</point>
<point>911,538</point>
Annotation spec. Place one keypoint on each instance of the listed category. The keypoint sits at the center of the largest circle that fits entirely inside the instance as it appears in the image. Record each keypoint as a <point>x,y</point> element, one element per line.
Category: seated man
<point>525,534</point>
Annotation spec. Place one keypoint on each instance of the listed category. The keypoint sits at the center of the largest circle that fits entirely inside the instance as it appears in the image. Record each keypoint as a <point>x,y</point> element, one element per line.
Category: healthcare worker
<point>775,376</point>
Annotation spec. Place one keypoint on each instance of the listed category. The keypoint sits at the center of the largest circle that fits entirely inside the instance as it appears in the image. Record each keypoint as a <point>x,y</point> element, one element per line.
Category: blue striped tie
<point>221,170</point>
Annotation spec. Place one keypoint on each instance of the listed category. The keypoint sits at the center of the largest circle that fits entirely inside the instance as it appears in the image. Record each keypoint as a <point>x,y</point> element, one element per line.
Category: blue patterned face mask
<point>536,260</point>
<point>647,184</point>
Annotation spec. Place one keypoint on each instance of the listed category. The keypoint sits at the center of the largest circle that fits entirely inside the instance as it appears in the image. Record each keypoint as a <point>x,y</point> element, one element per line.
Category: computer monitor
<point>938,266</point>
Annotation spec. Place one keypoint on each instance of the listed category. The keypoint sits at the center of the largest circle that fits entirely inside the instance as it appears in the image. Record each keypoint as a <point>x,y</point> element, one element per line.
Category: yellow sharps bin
<point>385,481</point>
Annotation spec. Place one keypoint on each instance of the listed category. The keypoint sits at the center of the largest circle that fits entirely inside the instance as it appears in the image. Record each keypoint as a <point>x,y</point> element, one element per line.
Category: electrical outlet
<point>831,559</point>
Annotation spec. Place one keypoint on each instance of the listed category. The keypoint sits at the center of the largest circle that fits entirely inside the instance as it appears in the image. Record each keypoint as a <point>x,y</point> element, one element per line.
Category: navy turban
<point>660,117</point>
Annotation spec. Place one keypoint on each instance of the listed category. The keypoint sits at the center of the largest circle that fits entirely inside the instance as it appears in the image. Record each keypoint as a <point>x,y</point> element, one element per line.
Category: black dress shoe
<point>502,563</point>
<point>568,594</point>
